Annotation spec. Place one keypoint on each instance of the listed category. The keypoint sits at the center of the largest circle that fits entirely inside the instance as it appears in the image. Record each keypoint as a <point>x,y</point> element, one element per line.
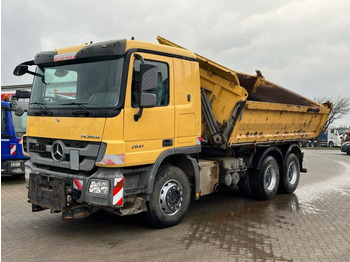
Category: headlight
<point>99,187</point>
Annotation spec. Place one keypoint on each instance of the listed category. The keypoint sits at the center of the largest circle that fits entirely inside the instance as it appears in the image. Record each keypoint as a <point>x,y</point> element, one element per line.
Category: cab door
<point>153,133</point>
<point>5,135</point>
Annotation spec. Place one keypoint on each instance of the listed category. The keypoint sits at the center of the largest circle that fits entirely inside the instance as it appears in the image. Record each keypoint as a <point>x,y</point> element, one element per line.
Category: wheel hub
<point>292,173</point>
<point>270,178</point>
<point>170,198</point>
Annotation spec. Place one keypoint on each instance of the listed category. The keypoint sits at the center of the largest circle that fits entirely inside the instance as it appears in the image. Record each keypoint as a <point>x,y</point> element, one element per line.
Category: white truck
<point>333,135</point>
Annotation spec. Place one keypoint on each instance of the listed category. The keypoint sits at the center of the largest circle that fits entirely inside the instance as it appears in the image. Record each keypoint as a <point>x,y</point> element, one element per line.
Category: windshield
<point>91,84</point>
<point>19,123</point>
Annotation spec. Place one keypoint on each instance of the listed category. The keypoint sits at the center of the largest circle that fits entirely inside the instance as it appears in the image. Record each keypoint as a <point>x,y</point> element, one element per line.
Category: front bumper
<point>13,167</point>
<point>345,149</point>
<point>61,191</point>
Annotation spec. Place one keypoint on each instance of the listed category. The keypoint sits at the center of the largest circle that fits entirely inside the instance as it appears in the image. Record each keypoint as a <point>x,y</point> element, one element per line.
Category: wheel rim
<point>292,173</point>
<point>270,178</point>
<point>170,198</point>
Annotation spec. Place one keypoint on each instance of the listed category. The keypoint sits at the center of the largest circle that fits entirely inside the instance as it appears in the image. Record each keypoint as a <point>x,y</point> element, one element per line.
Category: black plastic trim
<point>44,57</point>
<point>154,169</point>
<point>108,48</point>
<point>165,54</point>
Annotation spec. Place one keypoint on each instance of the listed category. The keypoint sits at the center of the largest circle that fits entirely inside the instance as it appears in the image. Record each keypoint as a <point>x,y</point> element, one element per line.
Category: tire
<point>171,184</point>
<point>331,144</point>
<point>291,174</point>
<point>244,186</point>
<point>348,153</point>
<point>266,180</point>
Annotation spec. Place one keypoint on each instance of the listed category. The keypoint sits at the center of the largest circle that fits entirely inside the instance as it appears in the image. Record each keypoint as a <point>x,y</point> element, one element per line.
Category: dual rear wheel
<point>265,182</point>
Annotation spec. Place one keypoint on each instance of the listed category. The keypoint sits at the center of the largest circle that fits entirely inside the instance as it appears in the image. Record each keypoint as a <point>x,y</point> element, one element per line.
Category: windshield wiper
<point>85,111</point>
<point>43,106</point>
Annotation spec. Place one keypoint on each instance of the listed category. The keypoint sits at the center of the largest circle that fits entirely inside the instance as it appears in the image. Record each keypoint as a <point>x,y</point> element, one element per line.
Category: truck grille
<point>69,154</point>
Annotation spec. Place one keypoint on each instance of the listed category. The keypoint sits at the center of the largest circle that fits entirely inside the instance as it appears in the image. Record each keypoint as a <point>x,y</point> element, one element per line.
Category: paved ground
<point>313,224</point>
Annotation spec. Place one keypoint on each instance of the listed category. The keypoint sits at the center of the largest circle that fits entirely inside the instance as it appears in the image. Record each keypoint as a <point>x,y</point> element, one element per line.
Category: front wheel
<point>170,199</point>
<point>266,180</point>
<point>291,174</point>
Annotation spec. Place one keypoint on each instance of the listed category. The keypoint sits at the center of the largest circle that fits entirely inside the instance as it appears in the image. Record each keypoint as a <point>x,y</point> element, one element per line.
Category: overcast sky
<point>302,45</point>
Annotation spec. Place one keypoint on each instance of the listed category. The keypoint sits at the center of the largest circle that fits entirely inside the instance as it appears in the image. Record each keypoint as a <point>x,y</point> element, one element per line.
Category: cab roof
<point>108,48</point>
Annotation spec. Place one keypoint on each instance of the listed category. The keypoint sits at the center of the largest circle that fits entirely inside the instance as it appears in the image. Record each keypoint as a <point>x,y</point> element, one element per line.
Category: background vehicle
<point>332,137</point>
<point>131,126</point>
<point>346,137</point>
<point>307,143</point>
<point>345,147</point>
<point>12,129</point>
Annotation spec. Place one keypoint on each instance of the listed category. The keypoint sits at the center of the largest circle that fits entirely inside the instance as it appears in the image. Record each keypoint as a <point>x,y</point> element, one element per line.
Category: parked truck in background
<point>131,126</point>
<point>333,136</point>
<point>345,146</point>
<point>13,127</point>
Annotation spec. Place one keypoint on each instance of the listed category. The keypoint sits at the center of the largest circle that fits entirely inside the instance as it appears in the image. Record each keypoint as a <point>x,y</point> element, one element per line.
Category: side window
<point>162,91</point>
<point>3,120</point>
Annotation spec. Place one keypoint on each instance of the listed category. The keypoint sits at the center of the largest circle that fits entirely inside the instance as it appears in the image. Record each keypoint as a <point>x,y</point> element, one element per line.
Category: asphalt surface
<point>313,224</point>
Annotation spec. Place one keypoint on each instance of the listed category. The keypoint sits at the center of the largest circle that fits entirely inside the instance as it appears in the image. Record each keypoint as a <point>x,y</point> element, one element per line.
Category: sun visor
<point>44,57</point>
<point>109,48</point>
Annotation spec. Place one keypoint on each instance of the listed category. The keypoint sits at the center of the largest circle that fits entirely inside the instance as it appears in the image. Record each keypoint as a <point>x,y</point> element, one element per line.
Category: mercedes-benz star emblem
<point>57,151</point>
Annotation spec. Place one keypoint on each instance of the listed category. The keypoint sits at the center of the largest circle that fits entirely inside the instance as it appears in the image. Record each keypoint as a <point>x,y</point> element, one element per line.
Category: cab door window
<point>162,91</point>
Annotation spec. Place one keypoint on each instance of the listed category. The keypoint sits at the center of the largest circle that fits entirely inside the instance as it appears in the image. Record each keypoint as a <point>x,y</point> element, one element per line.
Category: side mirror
<point>148,76</point>
<point>20,70</point>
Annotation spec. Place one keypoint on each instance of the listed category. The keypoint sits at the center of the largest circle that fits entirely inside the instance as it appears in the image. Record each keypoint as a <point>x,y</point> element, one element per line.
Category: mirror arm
<point>138,115</point>
<point>34,73</point>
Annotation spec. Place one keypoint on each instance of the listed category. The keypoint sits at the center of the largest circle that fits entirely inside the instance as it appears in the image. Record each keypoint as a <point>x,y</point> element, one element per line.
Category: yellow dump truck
<point>130,126</point>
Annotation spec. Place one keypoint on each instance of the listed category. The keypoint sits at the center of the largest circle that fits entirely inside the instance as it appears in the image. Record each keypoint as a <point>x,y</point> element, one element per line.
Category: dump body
<point>249,109</point>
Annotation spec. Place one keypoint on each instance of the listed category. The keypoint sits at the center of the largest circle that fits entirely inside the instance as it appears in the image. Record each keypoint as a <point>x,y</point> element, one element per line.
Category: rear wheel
<point>244,185</point>
<point>266,180</point>
<point>291,174</point>
<point>170,199</point>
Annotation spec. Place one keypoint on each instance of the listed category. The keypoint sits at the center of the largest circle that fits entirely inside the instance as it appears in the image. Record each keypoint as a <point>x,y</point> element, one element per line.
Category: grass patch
<point>322,148</point>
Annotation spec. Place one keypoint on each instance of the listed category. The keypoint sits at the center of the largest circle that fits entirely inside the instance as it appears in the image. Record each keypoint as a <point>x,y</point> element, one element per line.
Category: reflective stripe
<point>117,159</point>
<point>118,191</point>
<point>78,184</point>
<point>13,150</point>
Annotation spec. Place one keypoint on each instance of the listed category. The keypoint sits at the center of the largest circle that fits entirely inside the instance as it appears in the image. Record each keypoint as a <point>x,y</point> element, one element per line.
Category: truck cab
<point>331,137</point>
<point>13,127</point>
